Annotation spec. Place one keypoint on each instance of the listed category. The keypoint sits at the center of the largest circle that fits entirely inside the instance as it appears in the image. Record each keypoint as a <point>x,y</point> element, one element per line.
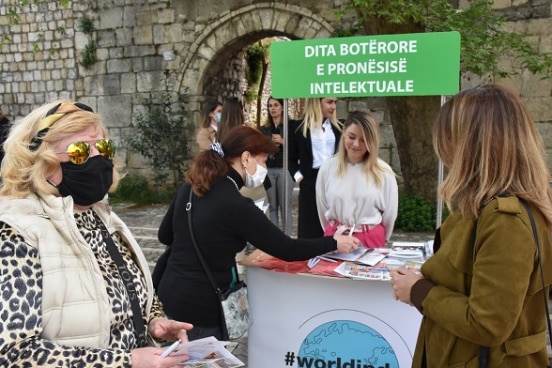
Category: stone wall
<point>197,47</point>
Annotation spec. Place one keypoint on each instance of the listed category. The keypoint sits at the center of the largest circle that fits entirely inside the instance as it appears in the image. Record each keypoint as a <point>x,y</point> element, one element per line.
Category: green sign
<point>418,64</point>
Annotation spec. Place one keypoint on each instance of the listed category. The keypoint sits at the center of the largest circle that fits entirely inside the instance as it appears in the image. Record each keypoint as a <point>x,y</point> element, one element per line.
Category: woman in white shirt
<point>356,190</point>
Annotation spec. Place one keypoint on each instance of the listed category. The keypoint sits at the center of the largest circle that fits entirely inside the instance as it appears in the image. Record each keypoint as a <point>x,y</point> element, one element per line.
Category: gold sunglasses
<point>79,152</point>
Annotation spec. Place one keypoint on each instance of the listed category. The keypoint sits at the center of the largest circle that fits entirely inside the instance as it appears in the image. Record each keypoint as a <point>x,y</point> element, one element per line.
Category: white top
<point>323,144</point>
<point>352,199</point>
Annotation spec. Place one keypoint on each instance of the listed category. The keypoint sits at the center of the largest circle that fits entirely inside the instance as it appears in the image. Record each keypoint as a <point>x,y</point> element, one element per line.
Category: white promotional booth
<point>313,321</point>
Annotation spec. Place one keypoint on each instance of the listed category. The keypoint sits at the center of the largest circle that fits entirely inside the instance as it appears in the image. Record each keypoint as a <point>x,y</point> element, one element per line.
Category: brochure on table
<point>363,264</point>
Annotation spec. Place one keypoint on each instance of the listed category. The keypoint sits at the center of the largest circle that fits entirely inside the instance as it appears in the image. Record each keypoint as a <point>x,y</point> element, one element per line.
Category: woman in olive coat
<point>481,294</point>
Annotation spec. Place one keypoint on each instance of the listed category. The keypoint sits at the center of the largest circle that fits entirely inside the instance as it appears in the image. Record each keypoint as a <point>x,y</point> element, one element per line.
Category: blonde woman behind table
<point>355,190</point>
<point>313,140</point>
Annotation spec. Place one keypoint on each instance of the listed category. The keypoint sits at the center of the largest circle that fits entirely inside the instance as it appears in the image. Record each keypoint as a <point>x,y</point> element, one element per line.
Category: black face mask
<point>87,183</point>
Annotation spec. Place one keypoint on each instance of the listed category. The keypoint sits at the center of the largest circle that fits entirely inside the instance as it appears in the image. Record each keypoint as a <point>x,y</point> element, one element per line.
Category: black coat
<point>300,149</point>
<point>223,222</point>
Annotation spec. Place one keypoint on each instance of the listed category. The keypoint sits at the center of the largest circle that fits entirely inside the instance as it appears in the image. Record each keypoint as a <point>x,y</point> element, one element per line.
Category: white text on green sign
<point>394,65</point>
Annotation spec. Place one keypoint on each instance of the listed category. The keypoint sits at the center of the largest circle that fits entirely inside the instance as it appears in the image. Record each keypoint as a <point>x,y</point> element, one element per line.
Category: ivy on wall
<point>88,55</point>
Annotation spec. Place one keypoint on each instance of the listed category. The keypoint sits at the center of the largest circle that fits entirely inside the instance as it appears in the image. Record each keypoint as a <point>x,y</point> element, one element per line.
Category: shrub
<point>136,189</point>
<point>159,135</point>
<point>415,214</point>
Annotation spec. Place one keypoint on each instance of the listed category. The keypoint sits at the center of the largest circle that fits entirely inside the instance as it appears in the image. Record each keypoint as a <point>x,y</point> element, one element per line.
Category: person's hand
<point>346,243</point>
<point>277,138</point>
<point>402,281</point>
<point>150,357</point>
<point>169,330</point>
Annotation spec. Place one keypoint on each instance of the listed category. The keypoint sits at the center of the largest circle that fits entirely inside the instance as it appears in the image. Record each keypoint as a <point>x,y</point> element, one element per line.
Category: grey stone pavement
<point>144,221</point>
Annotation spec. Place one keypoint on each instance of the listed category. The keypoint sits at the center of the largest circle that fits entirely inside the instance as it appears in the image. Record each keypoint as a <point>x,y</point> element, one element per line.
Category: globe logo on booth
<point>345,344</point>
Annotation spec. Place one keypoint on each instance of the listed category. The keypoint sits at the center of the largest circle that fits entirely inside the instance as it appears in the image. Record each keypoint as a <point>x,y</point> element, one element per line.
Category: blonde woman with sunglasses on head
<point>76,287</point>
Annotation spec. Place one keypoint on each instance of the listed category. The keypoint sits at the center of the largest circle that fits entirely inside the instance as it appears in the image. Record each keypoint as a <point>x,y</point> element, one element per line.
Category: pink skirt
<point>371,236</point>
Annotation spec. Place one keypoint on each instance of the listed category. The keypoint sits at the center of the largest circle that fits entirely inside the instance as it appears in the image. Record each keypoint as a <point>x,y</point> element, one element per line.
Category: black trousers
<point>308,225</point>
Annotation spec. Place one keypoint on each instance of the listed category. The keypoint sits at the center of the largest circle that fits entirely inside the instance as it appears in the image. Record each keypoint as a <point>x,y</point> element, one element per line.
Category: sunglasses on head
<point>79,152</point>
<point>49,119</point>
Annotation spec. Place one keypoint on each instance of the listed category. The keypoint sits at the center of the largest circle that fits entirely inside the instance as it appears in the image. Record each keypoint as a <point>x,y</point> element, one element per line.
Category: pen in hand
<point>170,349</point>
<point>352,230</point>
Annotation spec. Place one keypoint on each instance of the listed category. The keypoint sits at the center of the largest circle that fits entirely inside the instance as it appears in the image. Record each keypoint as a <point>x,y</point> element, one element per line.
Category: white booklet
<point>372,258</point>
<point>407,250</point>
<point>353,256</point>
<point>207,353</point>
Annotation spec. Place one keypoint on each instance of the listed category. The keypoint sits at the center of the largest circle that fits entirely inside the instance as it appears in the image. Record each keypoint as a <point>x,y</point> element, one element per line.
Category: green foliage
<point>88,55</point>
<point>484,40</point>
<point>136,189</point>
<point>415,214</point>
<point>14,18</point>
<point>159,136</point>
<point>254,57</point>
<point>86,25</point>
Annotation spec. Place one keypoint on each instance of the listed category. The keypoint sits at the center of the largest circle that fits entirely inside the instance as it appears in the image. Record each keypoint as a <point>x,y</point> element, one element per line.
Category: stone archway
<point>211,55</point>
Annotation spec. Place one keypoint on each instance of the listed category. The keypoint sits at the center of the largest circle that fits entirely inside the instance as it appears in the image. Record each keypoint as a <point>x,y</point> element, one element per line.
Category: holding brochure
<point>204,353</point>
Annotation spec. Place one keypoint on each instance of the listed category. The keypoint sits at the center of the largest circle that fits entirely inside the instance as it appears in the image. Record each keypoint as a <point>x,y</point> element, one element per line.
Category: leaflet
<point>362,272</point>
<point>353,256</point>
<point>207,353</point>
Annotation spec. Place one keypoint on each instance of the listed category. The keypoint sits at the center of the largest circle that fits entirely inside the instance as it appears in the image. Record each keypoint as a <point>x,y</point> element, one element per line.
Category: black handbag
<point>234,307</point>
<point>160,267</point>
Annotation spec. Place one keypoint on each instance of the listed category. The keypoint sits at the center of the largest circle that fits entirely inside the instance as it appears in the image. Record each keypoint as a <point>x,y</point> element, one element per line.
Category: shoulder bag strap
<point>214,284</point>
<point>536,235</point>
<point>483,350</point>
<point>127,278</point>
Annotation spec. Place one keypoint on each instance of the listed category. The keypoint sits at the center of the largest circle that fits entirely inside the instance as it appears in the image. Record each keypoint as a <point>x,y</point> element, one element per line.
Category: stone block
<point>100,85</point>
<point>540,108</point>
<point>153,63</point>
<point>116,110</point>
<point>107,38</point>
<point>143,35</point>
<point>128,83</point>
<point>111,17</point>
<point>119,65</point>
<point>149,81</point>
<point>166,16</point>
<point>129,16</point>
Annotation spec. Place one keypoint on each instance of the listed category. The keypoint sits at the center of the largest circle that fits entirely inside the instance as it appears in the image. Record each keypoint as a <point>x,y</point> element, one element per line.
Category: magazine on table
<point>353,256</point>
<point>206,353</point>
<point>359,271</point>
<point>372,257</point>
<point>407,250</point>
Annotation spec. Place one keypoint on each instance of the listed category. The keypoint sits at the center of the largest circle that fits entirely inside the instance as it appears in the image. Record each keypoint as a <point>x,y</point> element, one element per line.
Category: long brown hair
<point>208,108</point>
<point>231,116</point>
<point>209,166</point>
<point>269,120</point>
<point>487,139</point>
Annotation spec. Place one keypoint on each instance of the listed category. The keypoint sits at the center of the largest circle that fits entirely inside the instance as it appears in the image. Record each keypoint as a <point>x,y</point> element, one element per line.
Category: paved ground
<point>144,222</point>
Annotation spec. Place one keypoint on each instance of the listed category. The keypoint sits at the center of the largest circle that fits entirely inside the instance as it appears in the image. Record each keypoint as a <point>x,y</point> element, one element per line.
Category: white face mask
<point>253,181</point>
<point>217,117</point>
